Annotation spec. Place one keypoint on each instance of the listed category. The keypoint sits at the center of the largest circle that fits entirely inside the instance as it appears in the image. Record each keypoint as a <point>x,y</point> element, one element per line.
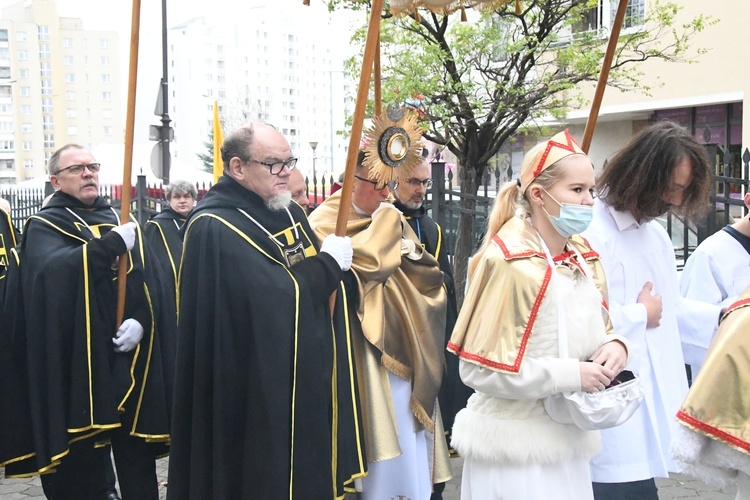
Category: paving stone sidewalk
<point>677,486</point>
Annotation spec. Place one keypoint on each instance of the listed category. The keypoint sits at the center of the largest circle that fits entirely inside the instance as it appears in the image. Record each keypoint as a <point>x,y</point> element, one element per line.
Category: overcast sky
<point>116,15</point>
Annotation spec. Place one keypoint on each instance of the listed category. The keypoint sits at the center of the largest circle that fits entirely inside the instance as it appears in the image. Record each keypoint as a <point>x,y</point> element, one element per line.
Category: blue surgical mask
<point>573,219</point>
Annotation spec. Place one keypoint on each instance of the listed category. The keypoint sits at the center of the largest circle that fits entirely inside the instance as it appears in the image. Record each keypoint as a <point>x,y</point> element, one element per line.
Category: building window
<point>44,51</point>
<point>46,105</point>
<point>46,69</point>
<point>25,91</point>
<point>103,43</point>
<point>21,36</point>
<point>25,110</point>
<point>48,123</point>
<point>106,113</point>
<point>72,130</point>
<point>71,113</point>
<point>104,61</point>
<point>26,128</point>
<point>601,15</point>
<point>4,72</point>
<point>23,73</point>
<point>6,145</point>
<point>68,60</point>
<point>27,145</point>
<point>5,91</point>
<point>105,78</point>
<point>106,96</point>
<point>107,130</point>
<point>70,78</point>
<point>46,87</point>
<point>635,13</point>
<point>28,164</point>
<point>68,43</point>
<point>6,108</point>
<point>43,33</point>
<point>49,140</point>
<point>23,55</point>
<point>9,164</point>
<point>6,126</point>
<point>70,95</point>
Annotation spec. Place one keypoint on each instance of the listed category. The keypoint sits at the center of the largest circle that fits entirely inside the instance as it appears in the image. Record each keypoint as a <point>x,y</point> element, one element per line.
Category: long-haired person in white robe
<point>663,168</point>
<point>531,279</point>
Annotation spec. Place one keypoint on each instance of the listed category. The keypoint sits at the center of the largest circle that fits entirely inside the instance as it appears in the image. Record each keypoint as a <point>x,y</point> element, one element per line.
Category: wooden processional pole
<point>122,270</point>
<point>614,36</point>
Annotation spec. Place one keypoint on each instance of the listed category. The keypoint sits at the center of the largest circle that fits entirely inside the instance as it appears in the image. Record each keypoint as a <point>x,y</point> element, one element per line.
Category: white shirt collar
<point>624,220</point>
<point>360,211</point>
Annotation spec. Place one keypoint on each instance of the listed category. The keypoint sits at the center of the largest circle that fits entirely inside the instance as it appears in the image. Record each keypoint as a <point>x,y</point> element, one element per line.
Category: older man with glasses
<point>265,404</point>
<point>78,378</point>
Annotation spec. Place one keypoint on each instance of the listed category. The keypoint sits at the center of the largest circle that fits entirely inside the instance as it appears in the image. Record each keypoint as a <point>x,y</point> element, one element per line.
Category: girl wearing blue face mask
<point>536,290</point>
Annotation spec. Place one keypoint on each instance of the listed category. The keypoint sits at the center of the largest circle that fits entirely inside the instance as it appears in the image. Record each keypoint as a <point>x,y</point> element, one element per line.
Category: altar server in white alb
<point>716,273</point>
<point>661,169</point>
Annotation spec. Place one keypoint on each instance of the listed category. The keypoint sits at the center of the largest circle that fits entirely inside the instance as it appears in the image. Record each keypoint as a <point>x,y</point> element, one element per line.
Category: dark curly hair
<point>640,174</point>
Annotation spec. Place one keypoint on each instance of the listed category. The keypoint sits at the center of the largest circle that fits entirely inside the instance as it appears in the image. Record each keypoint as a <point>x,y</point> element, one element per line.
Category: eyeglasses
<point>415,183</point>
<point>375,184</point>
<point>77,169</point>
<point>276,167</point>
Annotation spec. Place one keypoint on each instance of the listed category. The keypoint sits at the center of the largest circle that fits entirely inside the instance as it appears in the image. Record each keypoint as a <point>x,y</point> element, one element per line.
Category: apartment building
<point>709,93</point>
<point>271,67</point>
<point>59,83</point>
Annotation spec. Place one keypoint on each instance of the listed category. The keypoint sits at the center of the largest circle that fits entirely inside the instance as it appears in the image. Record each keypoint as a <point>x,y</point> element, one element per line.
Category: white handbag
<point>591,410</point>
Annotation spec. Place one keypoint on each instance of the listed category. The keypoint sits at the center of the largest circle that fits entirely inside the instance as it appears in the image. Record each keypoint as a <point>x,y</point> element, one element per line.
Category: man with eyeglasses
<point>410,195</point>
<point>397,309</point>
<point>265,403</point>
<point>78,378</point>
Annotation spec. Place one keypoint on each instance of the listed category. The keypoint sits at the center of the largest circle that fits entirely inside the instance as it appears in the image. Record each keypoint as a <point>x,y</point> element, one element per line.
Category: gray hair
<point>176,187</point>
<point>54,161</point>
<point>239,143</point>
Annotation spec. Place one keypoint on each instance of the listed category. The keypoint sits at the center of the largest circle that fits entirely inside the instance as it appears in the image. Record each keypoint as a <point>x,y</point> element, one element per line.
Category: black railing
<point>444,200</point>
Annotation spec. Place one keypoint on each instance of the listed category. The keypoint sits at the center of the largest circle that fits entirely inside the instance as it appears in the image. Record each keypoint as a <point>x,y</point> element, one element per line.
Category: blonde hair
<point>510,198</point>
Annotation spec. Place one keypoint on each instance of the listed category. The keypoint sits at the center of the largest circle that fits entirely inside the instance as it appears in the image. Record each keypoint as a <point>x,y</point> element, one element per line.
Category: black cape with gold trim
<point>266,402</point>
<point>162,233</point>
<point>63,381</point>
<point>8,239</point>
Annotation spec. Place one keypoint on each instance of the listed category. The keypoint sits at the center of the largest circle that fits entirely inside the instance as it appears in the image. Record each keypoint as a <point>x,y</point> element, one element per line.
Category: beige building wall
<point>721,76</point>
<point>64,87</point>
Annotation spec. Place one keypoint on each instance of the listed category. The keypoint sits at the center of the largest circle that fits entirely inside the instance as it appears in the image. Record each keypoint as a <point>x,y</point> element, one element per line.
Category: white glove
<point>340,248</point>
<point>128,335</point>
<point>410,249</point>
<point>127,233</point>
<point>384,205</point>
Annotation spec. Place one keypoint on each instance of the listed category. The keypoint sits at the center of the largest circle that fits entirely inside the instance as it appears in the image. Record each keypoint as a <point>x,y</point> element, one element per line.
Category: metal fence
<point>444,200</point>
<point>730,173</point>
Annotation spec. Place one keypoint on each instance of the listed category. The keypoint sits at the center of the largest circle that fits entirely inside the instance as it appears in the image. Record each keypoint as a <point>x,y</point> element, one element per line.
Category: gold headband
<point>557,148</point>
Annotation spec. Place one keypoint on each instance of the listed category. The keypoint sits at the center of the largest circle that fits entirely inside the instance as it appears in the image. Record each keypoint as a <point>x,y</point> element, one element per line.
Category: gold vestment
<point>402,311</point>
<point>718,403</point>
<point>504,296</point>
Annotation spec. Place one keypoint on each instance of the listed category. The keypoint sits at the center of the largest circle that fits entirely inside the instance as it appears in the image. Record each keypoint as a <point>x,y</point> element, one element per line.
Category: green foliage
<point>207,158</point>
<point>482,80</point>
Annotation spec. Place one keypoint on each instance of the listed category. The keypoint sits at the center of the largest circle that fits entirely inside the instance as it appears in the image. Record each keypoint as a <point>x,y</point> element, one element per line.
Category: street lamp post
<point>314,145</point>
